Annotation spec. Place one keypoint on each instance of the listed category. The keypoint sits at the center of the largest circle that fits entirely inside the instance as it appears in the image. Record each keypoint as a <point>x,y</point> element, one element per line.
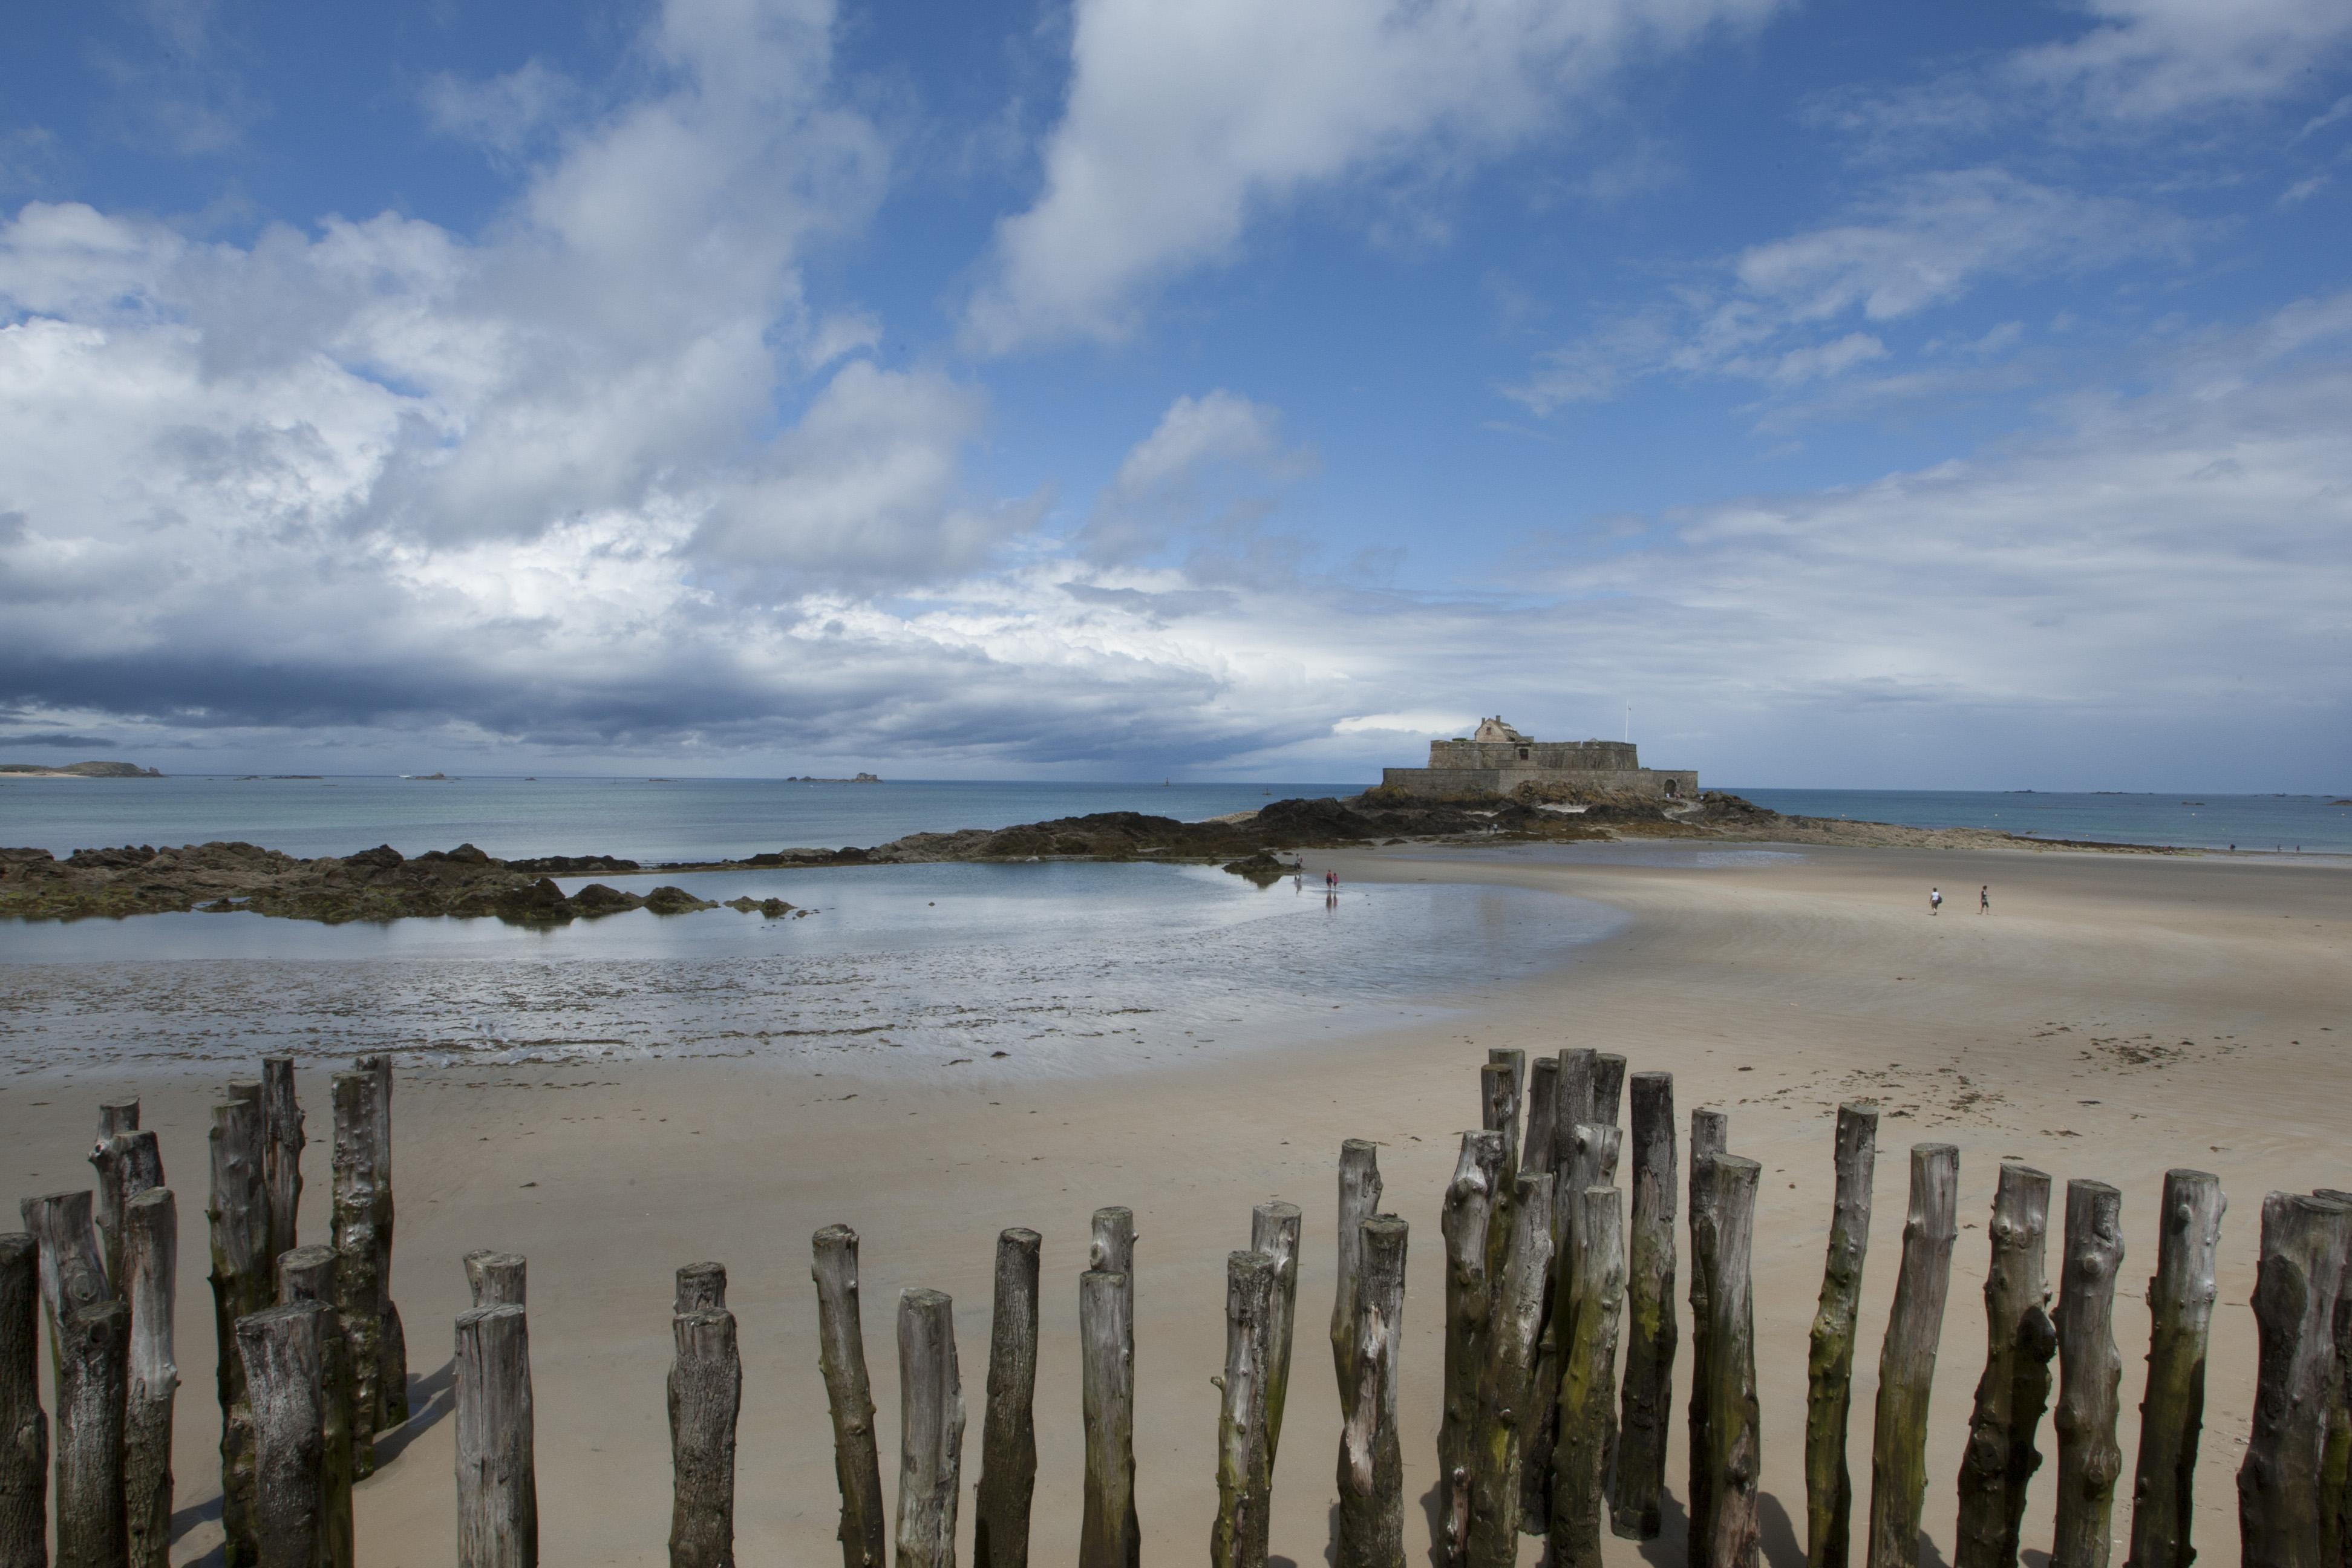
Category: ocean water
<point>2271,823</point>
<point>976,970</point>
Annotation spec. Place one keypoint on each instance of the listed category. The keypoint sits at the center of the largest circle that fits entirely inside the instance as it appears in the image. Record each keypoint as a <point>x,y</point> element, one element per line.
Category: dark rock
<point>774,909</point>
<point>1261,868</point>
<point>596,899</point>
<point>668,900</point>
<point>383,857</point>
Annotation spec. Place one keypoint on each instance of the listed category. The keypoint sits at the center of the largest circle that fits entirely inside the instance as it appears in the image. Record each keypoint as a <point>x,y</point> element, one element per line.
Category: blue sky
<point>1881,396</point>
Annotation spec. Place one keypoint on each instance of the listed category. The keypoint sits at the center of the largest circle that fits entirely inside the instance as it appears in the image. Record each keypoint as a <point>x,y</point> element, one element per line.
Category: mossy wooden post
<point>1274,1231</point>
<point>308,1274</point>
<point>1499,1085</point>
<point>23,1425</point>
<point>1465,1223</point>
<point>1729,1529</point>
<point>1244,1480</point>
<point>1998,1462</point>
<point>706,1394</point>
<point>1608,1087</point>
<point>930,1430</point>
<point>1829,1391</point>
<point>2090,1371</point>
<point>2180,1296</point>
<point>841,1357</point>
<point>129,1161</point>
<point>498,1485</point>
<point>392,1346</point>
<point>1108,1533</point>
<point>1587,1154</point>
<point>1369,1531</point>
<point>358,1277</point>
<point>1709,1130</point>
<point>73,1263</point>
<point>1504,1389</point>
<point>1639,1483</point>
<point>238,1214</point>
<point>93,1354</point>
<point>1907,1361</point>
<point>1008,1431</point>
<point>1591,1297</point>
<point>284,1350</point>
<point>2297,1287</point>
<point>1359,1199</point>
<point>281,1125</point>
<point>149,1285</point>
<point>2336,1446</point>
<point>503,1278</point>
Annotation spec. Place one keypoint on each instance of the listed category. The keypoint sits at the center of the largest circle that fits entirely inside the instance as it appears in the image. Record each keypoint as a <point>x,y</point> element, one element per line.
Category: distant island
<point>812,778</point>
<point>78,771</point>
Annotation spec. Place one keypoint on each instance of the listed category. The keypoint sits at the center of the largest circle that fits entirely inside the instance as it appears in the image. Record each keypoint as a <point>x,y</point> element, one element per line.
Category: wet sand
<point>2113,1016</point>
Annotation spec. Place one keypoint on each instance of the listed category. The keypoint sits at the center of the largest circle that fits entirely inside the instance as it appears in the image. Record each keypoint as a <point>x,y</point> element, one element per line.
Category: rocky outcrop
<point>79,770</point>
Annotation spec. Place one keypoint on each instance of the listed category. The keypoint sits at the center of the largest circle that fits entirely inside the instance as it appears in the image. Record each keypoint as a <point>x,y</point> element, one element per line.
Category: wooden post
<point>706,1394</point>
<point>1536,1147</point>
<point>358,1273</point>
<point>1244,1480</point>
<point>150,1278</point>
<point>128,1163</point>
<point>1499,1104</point>
<point>1999,1463</point>
<point>1829,1394</point>
<point>1650,1335</point>
<point>501,1279</point>
<point>498,1487</point>
<point>1593,1289</point>
<point>1108,1533</point>
<point>93,1351</point>
<point>841,1357</point>
<point>117,1116</point>
<point>1907,1361</point>
<point>308,1274</point>
<point>1506,1388</point>
<point>2089,1371</point>
<point>701,1287</point>
<point>2336,1444</point>
<point>1608,1087</point>
<point>391,1348</point>
<point>284,1350</point>
<point>1734,1423</point>
<point>2180,1296</point>
<point>23,1425</point>
<point>1359,1199</point>
<point>1008,1432</point>
<point>73,1265</point>
<point>238,1218</point>
<point>2297,1287</point>
<point>1370,1525</point>
<point>281,1125</point>
<point>930,1430</point>
<point>1709,1130</point>
<point>1465,1223</point>
<point>1586,1158</point>
<point>1274,1230</point>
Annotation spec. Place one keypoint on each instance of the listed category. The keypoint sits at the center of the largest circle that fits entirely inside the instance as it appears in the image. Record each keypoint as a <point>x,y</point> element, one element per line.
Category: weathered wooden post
<point>1274,1230</point>
<point>1650,1335</point>
<point>1359,1199</point>
<point>1499,1084</point>
<point>128,1163</point>
<point>117,1116</point>
<point>281,1125</point>
<point>2090,1369</point>
<point>149,1284</point>
<point>391,1345</point>
<point>1244,1478</point>
<point>238,1218</point>
<point>1608,1087</point>
<point>706,1394</point>
<point>1108,1533</point>
<point>502,1279</point>
<point>358,1172</point>
<point>2180,1296</point>
<point>1112,1248</point>
<point>1829,1392</point>
<point>73,1265</point>
<point>1709,1130</point>
<point>2000,1460</point>
<point>1734,1423</point>
<point>1573,1100</point>
<point>1008,1432</point>
<point>93,1351</point>
<point>930,1430</point>
<point>1907,1361</point>
<point>23,1425</point>
<point>1586,1155</point>
<point>841,1357</point>
<point>308,1274</point>
<point>1536,1146</point>
<point>2297,1287</point>
<point>1465,1223</point>
<point>1505,1390</point>
<point>284,1350</point>
<point>2336,1443</point>
<point>498,1487</point>
<point>1591,1296</point>
<point>1370,1525</point>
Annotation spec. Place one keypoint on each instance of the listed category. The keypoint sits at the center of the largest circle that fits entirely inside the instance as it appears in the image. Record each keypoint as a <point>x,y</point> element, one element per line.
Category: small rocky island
<point>78,771</point>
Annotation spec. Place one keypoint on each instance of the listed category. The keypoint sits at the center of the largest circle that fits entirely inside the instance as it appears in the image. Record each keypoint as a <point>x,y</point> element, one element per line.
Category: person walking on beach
<point>1935,900</point>
<point>1984,900</point>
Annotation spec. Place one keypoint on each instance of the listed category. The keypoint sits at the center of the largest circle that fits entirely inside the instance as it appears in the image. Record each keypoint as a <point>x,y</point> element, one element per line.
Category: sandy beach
<point>2113,1016</point>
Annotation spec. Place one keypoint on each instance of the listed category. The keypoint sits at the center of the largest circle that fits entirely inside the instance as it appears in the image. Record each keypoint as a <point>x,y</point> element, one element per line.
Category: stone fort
<point>1497,759</point>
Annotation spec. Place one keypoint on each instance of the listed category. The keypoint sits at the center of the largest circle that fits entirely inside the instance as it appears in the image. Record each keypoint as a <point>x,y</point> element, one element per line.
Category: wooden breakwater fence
<point>1545,1429</point>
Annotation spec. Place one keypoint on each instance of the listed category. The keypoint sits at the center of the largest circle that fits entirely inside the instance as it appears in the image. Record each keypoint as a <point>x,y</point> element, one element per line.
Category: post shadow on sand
<point>1777,1532</point>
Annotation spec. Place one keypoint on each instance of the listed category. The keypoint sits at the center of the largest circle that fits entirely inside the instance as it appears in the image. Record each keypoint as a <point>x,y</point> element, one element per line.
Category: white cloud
<point>505,113</point>
<point>2145,61</point>
<point>1184,121</point>
<point>1207,472</point>
<point>2303,190</point>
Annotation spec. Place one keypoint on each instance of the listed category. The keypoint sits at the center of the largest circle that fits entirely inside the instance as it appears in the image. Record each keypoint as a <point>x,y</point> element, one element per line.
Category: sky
<point>1831,394</point>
